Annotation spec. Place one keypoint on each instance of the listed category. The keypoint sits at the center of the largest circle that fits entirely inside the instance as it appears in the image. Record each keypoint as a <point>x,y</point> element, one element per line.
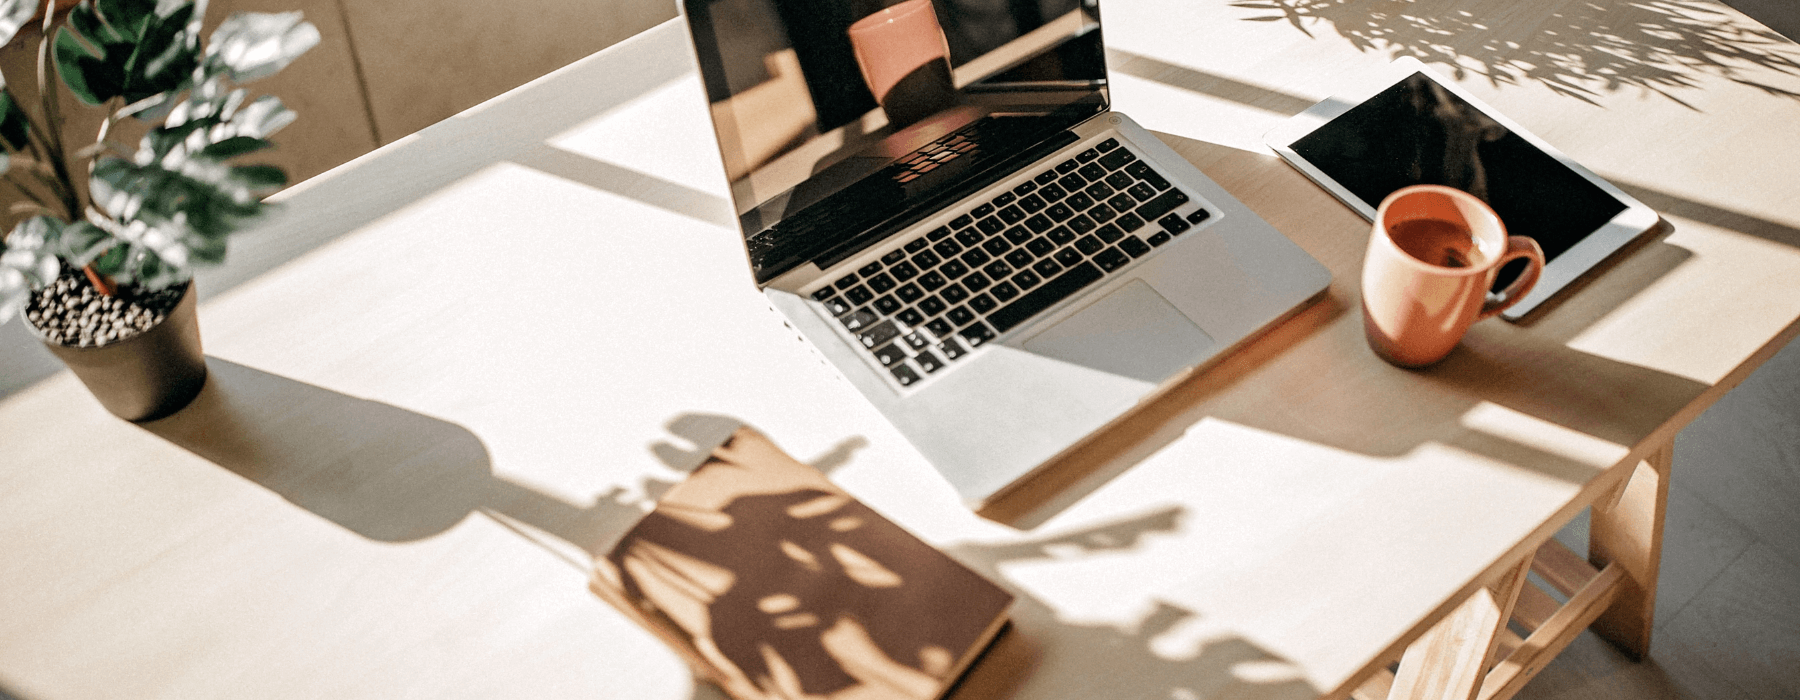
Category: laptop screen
<point>841,121</point>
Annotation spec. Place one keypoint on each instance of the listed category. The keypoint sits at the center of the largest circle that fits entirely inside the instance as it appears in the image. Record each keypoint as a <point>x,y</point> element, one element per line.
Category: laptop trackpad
<point>1131,332</point>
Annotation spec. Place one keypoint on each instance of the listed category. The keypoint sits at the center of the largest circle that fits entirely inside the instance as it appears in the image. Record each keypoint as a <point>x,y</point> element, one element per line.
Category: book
<point>775,584</point>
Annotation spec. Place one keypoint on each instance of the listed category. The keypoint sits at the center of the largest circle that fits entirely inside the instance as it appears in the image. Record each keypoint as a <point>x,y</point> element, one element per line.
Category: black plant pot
<point>147,376</point>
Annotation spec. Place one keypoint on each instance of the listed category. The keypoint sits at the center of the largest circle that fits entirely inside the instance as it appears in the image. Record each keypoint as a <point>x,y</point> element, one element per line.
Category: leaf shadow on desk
<point>382,472</point>
<point>1578,50</point>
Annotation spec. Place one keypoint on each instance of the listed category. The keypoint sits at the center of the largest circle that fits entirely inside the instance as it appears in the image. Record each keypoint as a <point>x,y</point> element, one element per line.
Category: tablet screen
<point>1416,132</point>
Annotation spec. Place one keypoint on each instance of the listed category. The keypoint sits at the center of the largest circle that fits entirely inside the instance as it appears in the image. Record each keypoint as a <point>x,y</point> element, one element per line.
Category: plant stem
<point>53,115</point>
<point>102,284</point>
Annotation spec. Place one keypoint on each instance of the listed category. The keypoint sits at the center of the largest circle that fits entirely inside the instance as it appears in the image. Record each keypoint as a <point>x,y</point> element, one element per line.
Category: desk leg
<point>1630,534</point>
<point>1452,658</point>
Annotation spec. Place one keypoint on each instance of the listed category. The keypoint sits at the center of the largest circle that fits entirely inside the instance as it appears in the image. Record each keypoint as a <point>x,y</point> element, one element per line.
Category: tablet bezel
<point>1565,269</point>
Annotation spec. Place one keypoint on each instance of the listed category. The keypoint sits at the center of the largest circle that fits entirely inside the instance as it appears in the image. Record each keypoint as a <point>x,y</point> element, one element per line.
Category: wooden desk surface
<point>417,434</point>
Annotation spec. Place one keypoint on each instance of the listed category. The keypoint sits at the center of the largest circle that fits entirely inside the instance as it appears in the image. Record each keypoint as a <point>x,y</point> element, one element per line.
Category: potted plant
<point>101,267</point>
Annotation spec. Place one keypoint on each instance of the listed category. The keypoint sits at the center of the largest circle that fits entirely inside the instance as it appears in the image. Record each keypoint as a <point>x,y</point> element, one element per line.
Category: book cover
<point>775,584</point>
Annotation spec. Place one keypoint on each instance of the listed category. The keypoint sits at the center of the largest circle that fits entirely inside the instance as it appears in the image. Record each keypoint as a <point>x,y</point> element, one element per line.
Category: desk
<point>419,433</point>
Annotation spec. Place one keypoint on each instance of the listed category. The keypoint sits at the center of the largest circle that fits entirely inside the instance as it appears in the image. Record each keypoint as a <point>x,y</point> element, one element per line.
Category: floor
<point>1728,619</point>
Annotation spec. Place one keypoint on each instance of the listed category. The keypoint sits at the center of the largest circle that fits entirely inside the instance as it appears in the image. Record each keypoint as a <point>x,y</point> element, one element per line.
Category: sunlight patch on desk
<point>1166,108</point>
<point>642,136</point>
<point>1539,434</point>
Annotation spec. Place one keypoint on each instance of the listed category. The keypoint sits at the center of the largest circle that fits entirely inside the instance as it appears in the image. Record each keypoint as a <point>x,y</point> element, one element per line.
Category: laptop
<point>936,196</point>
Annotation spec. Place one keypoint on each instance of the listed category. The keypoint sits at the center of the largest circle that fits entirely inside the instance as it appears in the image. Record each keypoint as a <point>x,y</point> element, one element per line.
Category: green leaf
<point>135,49</point>
<point>13,16</point>
<point>259,177</point>
<point>90,79</point>
<point>81,242</point>
<point>15,128</point>
<point>233,147</point>
<point>251,45</point>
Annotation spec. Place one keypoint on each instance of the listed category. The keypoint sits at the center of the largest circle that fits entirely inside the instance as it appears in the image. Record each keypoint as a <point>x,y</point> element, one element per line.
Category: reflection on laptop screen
<point>838,117</point>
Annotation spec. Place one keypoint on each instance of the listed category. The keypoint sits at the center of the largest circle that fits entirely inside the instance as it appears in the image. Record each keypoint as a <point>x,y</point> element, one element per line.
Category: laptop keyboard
<point>933,299</point>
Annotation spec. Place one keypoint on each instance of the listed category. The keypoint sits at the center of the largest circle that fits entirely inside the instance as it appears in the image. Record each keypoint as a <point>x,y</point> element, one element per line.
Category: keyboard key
<point>1004,199</point>
<point>1012,215</point>
<point>1088,245</point>
<point>878,334</point>
<point>893,256</point>
<point>940,328</point>
<point>926,260</point>
<point>1163,204</point>
<point>823,293</point>
<point>1108,145</point>
<point>887,304</point>
<point>996,246</point>
<point>904,271</point>
<point>1046,267</point>
<point>1111,259</point>
<point>1129,222</point>
<point>1024,188</point>
<point>1045,178</point>
<point>1079,201</point>
<point>911,317</point>
<point>1039,223</point>
<point>1019,257</point>
<point>969,237</point>
<point>909,293</point>
<point>1067,166</point>
<point>1117,159</point>
<point>998,270</point>
<point>859,294</point>
<point>1139,169</point>
<point>990,226</point>
<point>1159,238</point>
<point>905,375</point>
<point>1039,247</point>
<point>1121,202</point>
<point>953,294</point>
<point>1003,292</point>
<point>1052,193</point>
<point>981,211</point>
<point>1134,246</point>
<point>870,269</point>
<point>1109,233</point>
<point>1017,235</point>
<point>1060,235</point>
<point>1059,212</point>
<point>887,355</point>
<point>1044,297</point>
<point>1100,191</point>
<point>1088,155</point>
<point>1199,216</point>
<point>1033,204</point>
<point>847,282</point>
<point>1081,224</point>
<point>1072,182</point>
<point>961,316</point>
<point>929,362</point>
<point>1026,279</point>
<point>975,257</point>
<point>1174,224</point>
<point>954,269</point>
<point>976,282</point>
<point>1141,192</point>
<point>858,319</point>
<point>1068,257</point>
<point>838,306</point>
<point>947,248</point>
<point>881,283</point>
<point>1120,180</point>
<point>916,340</point>
<point>917,244</point>
<point>1092,172</point>
<point>930,281</point>
<point>1101,213</point>
<point>977,335</point>
<point>958,222</point>
<point>932,306</point>
<point>952,349</point>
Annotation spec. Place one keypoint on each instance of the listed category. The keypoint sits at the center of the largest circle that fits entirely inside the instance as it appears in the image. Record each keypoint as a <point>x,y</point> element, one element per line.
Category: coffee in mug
<point>1432,256</point>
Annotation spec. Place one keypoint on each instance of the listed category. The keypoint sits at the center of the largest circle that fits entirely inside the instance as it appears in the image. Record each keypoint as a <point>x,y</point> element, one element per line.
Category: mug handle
<point>1516,247</point>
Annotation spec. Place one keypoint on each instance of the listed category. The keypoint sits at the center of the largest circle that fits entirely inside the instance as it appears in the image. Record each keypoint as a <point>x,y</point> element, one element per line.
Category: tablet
<point>1413,128</point>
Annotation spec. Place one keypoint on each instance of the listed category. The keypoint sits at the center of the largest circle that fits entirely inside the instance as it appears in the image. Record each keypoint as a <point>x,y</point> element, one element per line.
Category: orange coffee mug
<point>1432,257</point>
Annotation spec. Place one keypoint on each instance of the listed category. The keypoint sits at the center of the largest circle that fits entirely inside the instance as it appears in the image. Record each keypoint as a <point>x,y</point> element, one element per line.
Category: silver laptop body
<point>933,246</point>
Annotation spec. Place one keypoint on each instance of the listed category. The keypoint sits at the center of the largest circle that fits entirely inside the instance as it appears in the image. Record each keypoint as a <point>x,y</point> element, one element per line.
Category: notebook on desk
<point>939,200</point>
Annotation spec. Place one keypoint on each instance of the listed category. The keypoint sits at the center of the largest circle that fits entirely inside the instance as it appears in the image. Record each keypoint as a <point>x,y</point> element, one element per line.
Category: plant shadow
<point>1578,49</point>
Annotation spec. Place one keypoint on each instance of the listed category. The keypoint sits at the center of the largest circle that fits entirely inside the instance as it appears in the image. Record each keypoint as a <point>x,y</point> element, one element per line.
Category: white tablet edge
<point>1627,225</point>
